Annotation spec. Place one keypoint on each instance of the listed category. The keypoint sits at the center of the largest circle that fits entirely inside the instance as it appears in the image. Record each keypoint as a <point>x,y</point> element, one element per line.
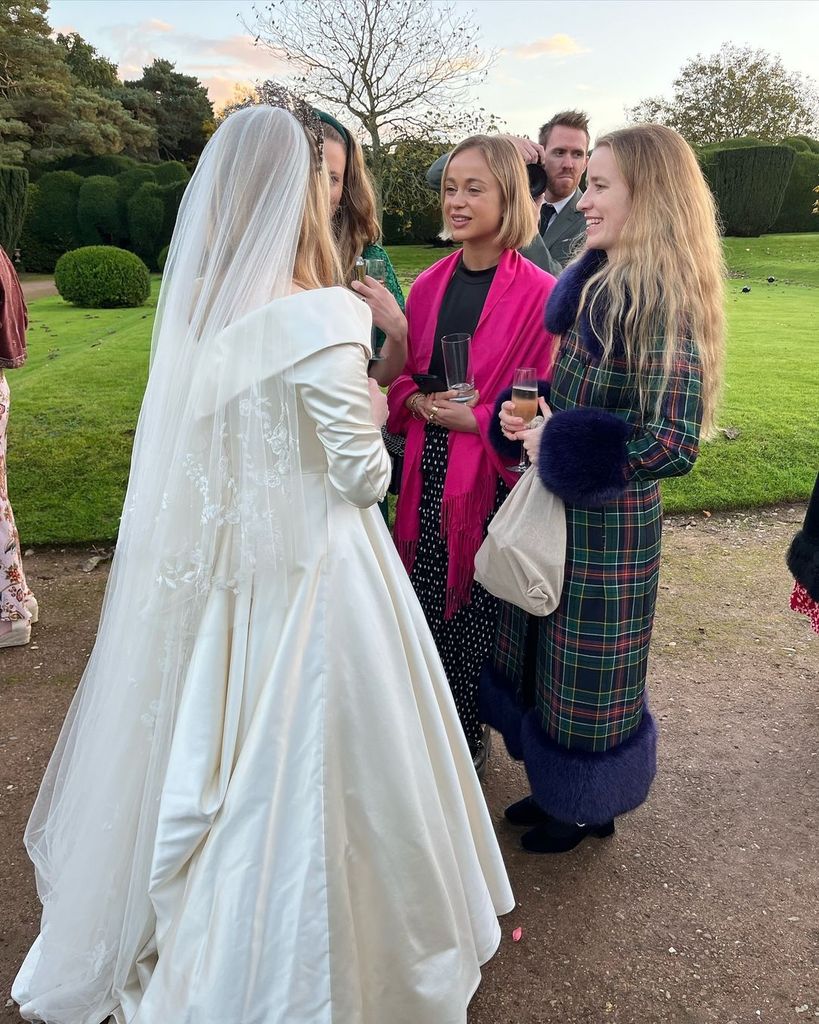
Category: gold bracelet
<point>413,405</point>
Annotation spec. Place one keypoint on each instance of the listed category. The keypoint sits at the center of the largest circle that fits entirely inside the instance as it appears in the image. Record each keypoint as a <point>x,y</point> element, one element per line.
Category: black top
<point>461,309</point>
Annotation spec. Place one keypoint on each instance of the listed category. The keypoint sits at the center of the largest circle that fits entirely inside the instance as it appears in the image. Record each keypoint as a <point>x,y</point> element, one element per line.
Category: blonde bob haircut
<point>663,282</point>
<point>317,263</point>
<point>519,218</point>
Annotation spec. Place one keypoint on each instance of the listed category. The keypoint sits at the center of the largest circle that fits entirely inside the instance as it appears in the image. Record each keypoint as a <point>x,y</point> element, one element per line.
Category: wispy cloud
<point>219,64</point>
<point>502,78</point>
<point>558,45</point>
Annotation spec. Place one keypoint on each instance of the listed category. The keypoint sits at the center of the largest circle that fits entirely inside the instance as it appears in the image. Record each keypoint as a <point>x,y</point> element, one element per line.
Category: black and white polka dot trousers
<point>463,641</point>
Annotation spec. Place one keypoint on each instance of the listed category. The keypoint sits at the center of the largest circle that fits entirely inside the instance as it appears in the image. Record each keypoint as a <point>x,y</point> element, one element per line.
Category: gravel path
<point>704,906</point>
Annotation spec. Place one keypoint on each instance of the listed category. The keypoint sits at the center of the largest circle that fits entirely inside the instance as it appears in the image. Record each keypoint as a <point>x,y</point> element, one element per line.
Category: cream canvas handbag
<point>523,557</point>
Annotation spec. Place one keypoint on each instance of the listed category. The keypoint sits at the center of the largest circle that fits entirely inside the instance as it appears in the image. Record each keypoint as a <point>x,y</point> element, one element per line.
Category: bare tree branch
<point>403,69</point>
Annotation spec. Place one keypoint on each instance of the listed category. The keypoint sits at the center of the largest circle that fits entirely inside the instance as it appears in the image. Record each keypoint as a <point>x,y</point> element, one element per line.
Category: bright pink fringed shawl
<point>510,333</point>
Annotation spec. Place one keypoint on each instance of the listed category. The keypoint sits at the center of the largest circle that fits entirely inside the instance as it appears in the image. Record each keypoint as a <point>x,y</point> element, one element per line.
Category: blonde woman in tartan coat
<point>634,385</point>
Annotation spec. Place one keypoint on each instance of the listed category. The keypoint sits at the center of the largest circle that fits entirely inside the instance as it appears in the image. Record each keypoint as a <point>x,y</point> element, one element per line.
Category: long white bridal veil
<point>213,499</point>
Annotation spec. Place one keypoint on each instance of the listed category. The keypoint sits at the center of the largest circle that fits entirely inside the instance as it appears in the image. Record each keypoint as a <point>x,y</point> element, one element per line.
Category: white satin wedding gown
<point>323,853</point>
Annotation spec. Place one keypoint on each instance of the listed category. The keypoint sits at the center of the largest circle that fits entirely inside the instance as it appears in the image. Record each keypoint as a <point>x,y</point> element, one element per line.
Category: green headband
<point>339,127</point>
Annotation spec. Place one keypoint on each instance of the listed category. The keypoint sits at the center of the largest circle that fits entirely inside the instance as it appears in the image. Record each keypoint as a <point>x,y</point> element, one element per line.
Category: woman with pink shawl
<point>453,480</point>
<point>18,609</point>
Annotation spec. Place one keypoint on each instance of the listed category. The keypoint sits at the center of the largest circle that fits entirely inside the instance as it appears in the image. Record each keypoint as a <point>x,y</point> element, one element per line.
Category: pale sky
<point>600,55</point>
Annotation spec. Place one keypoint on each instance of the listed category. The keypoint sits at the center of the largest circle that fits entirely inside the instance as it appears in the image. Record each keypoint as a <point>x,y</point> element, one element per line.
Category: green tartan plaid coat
<point>584,667</point>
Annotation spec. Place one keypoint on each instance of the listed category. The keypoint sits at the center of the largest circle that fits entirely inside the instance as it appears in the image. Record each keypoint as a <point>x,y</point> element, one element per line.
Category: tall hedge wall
<point>799,196</point>
<point>51,226</point>
<point>135,207</point>
<point>99,211</point>
<point>749,185</point>
<point>13,185</point>
<point>146,215</point>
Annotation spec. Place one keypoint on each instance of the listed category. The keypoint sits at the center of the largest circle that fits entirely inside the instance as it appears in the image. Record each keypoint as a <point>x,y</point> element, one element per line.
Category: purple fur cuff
<point>580,786</point>
<point>583,457</point>
<point>510,449</point>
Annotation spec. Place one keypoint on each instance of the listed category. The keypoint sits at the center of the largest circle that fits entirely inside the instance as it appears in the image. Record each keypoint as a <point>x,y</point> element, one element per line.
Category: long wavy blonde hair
<point>317,263</point>
<point>665,278</point>
<point>355,223</point>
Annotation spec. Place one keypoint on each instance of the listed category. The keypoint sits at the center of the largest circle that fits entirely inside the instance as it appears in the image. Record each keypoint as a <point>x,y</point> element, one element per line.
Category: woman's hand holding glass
<point>387,315</point>
<point>440,409</point>
<point>514,427</point>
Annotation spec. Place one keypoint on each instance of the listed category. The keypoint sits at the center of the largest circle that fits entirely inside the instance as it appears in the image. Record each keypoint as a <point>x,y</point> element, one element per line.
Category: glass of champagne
<point>377,269</point>
<point>524,395</point>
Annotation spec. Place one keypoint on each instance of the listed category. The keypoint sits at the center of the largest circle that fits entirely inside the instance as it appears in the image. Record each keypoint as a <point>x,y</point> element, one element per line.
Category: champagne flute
<point>377,269</point>
<point>524,395</point>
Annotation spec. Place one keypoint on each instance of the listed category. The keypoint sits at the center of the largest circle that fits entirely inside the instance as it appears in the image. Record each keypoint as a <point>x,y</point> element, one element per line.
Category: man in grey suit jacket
<point>563,149</point>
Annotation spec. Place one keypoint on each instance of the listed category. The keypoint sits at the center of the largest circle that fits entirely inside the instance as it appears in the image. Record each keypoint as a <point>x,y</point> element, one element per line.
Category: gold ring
<point>435,410</point>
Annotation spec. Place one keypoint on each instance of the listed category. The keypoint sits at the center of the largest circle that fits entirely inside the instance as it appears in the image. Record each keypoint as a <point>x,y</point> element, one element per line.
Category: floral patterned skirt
<point>13,589</point>
<point>801,601</point>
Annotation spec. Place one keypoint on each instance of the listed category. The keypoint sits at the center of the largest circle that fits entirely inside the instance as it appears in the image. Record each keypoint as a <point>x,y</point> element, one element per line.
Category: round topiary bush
<point>102,276</point>
<point>162,257</point>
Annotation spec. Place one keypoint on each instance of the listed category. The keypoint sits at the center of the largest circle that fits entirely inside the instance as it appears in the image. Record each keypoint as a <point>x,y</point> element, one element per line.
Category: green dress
<point>375,252</point>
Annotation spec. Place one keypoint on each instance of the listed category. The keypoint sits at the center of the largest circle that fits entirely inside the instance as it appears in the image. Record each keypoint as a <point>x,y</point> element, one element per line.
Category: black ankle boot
<point>480,757</point>
<point>560,837</point>
<point>526,813</point>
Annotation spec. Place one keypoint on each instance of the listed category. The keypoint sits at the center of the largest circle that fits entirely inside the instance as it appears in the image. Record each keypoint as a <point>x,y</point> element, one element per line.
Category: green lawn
<point>75,403</point>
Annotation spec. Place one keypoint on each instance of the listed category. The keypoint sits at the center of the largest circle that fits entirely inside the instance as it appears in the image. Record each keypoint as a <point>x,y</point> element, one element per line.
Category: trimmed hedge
<point>799,196</point>
<point>13,195</point>
<point>109,166</point>
<point>171,196</point>
<point>742,142</point>
<point>749,185</point>
<point>170,172</point>
<point>162,258</point>
<point>99,212</point>
<point>129,181</point>
<point>802,143</point>
<point>51,227</point>
<point>146,216</point>
<point>102,276</point>
<point>81,206</point>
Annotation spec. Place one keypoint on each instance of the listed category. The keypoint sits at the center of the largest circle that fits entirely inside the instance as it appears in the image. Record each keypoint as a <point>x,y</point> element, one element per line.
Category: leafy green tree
<point>34,81</point>
<point>176,104</point>
<point>739,91</point>
<point>86,65</point>
<point>46,115</point>
<point>408,200</point>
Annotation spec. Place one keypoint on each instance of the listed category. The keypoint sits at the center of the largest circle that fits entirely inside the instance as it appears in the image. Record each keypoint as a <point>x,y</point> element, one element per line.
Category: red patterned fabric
<point>13,316</point>
<point>801,601</point>
<point>13,589</point>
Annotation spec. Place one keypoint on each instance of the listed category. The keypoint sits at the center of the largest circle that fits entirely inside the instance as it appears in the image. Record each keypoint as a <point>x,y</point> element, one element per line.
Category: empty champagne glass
<point>524,395</point>
<point>377,269</point>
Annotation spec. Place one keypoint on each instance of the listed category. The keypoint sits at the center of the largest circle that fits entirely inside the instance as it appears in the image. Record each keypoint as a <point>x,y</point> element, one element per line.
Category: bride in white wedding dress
<point>261,808</point>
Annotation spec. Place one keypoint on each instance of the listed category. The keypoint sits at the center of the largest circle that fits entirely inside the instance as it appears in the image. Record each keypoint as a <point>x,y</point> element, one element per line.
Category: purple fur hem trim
<point>498,707</point>
<point>581,786</point>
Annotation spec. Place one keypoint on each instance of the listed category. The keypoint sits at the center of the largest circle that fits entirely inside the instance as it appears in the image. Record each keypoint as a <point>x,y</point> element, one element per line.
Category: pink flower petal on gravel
<point>516,935</point>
